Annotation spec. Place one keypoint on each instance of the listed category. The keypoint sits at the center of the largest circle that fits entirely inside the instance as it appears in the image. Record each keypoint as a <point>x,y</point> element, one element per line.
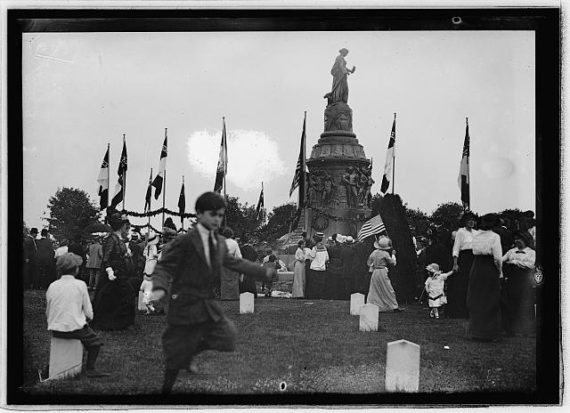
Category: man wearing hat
<point>69,309</point>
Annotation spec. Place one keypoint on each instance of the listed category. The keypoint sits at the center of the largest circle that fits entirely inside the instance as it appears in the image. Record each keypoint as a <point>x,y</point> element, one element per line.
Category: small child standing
<point>145,295</point>
<point>434,287</point>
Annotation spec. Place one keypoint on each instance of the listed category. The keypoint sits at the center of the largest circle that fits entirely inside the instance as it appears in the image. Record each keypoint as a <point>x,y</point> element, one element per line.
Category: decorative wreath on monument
<point>320,222</point>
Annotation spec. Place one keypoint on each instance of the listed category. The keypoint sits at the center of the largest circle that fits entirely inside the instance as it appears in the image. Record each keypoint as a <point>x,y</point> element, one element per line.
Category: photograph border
<point>545,22</point>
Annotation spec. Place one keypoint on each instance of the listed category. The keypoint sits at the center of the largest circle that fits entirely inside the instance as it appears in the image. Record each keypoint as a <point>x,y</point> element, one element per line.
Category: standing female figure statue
<point>339,92</point>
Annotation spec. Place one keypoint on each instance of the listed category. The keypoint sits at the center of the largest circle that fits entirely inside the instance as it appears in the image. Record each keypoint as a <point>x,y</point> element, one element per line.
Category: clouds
<point>252,156</point>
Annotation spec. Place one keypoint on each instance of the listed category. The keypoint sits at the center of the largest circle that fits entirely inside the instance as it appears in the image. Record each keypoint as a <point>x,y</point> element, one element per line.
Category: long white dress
<point>299,278</point>
<point>381,292</point>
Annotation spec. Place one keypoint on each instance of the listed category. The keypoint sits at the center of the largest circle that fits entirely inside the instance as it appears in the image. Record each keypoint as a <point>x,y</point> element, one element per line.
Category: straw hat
<point>433,267</point>
<point>383,243</point>
<point>349,240</point>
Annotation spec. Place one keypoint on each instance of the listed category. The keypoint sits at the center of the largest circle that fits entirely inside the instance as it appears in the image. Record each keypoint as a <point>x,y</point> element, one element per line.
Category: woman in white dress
<point>381,292</point>
<point>299,269</point>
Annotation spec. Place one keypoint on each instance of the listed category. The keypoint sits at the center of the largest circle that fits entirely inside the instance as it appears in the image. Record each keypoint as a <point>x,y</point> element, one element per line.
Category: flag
<point>260,203</point>
<point>159,178</point>
<point>122,172</point>
<point>148,193</point>
<point>222,168</point>
<point>300,176</point>
<point>373,226</point>
<point>103,181</point>
<point>182,202</point>
<point>390,154</point>
<point>464,169</point>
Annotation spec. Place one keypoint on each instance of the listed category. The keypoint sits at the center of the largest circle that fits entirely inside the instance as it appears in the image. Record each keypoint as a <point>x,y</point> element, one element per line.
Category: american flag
<point>300,169</point>
<point>373,226</point>
<point>463,180</point>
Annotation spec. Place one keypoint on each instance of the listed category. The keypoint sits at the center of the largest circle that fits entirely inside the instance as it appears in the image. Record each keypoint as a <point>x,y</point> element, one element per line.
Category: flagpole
<point>394,158</point>
<point>468,171</point>
<point>109,199</point>
<point>164,184</point>
<point>124,173</point>
<point>149,208</point>
<point>225,143</point>
<point>182,216</point>
<point>263,207</point>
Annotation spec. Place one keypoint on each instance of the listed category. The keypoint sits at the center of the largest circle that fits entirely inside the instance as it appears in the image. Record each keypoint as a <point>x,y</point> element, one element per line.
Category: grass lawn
<point>307,346</point>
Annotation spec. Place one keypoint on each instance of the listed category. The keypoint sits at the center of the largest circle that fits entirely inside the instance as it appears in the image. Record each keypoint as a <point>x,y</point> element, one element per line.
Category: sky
<point>82,91</point>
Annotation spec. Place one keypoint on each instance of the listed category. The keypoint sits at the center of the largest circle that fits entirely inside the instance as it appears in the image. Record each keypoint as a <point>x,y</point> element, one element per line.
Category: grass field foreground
<point>295,346</point>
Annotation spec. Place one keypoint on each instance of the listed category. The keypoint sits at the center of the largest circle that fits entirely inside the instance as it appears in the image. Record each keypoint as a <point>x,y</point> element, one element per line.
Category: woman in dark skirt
<point>114,306</point>
<point>518,301</point>
<point>484,290</point>
<point>462,262</point>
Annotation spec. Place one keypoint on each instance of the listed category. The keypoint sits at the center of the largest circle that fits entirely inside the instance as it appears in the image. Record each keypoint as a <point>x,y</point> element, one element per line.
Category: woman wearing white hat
<point>381,292</point>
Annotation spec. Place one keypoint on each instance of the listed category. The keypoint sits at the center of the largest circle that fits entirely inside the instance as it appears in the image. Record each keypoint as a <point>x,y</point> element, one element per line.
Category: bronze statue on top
<point>339,91</point>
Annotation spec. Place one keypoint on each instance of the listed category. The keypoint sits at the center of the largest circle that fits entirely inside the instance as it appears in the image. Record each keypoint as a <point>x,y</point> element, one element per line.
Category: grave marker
<point>65,358</point>
<point>356,301</point>
<point>369,317</point>
<point>246,303</point>
<point>402,366</point>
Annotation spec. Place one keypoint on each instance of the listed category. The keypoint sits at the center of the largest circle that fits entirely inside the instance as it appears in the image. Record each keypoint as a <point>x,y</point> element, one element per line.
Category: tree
<point>241,218</point>
<point>417,220</point>
<point>447,215</point>
<point>70,212</point>
<point>278,223</point>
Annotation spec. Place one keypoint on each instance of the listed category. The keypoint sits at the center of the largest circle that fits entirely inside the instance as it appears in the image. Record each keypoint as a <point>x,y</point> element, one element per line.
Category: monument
<point>340,175</point>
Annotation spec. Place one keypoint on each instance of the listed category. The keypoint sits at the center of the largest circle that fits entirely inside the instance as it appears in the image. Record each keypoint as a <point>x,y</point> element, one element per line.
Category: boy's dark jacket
<point>183,273</point>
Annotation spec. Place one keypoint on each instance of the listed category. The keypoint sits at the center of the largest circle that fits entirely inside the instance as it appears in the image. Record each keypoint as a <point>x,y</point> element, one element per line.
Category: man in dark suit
<point>46,263</point>
<point>187,273</point>
<point>31,260</point>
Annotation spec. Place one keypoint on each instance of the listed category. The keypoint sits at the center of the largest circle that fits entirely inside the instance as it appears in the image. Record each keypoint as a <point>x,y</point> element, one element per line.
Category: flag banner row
<point>157,212</point>
<point>138,228</point>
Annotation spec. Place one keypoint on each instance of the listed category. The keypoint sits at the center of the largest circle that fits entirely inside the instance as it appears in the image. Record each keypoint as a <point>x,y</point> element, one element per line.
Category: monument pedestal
<point>338,195</point>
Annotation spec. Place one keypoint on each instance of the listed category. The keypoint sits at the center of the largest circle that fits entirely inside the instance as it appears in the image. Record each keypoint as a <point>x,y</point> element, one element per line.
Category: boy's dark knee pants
<point>181,343</point>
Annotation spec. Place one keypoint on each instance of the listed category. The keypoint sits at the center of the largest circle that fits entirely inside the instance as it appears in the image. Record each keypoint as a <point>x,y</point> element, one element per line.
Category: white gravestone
<point>402,366</point>
<point>246,303</point>
<point>356,301</point>
<point>369,317</point>
<point>65,358</point>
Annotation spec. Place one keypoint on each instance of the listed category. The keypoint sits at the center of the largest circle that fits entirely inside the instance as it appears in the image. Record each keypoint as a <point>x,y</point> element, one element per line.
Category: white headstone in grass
<point>65,358</point>
<point>402,366</point>
<point>356,301</point>
<point>369,317</point>
<point>246,303</point>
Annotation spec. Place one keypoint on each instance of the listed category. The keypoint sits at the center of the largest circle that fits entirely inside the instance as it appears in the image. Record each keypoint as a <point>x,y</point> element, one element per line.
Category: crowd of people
<point>485,271</point>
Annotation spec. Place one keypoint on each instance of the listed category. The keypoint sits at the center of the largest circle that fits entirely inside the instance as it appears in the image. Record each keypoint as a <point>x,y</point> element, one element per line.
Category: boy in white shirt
<point>69,308</point>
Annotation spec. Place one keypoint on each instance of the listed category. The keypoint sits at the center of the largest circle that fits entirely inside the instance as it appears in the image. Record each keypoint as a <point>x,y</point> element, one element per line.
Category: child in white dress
<point>146,292</point>
<point>435,288</point>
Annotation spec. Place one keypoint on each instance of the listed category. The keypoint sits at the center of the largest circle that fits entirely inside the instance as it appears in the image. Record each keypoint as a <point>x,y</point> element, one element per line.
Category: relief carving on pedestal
<point>322,189</point>
<point>358,184</point>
